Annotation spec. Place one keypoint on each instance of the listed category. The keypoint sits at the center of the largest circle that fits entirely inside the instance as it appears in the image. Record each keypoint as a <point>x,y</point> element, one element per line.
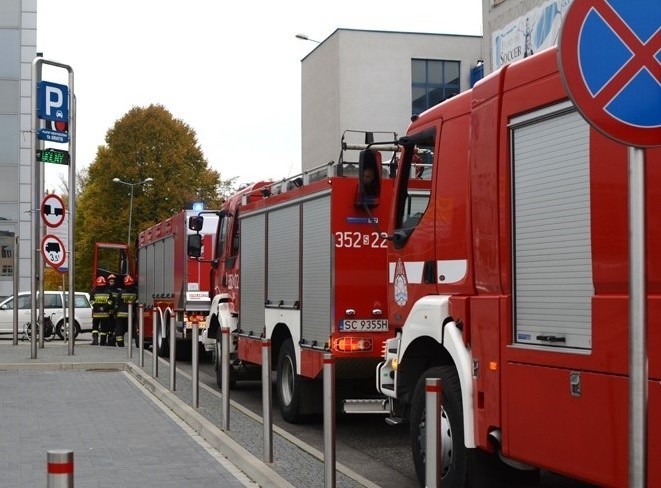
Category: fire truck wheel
<point>288,383</point>
<point>218,366</point>
<point>454,453</point>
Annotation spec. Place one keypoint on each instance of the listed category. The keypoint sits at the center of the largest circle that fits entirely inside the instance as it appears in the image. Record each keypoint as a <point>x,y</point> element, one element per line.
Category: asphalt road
<point>364,443</point>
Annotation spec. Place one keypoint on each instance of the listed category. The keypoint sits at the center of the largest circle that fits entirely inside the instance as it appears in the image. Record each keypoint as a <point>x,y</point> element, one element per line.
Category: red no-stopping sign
<point>610,61</point>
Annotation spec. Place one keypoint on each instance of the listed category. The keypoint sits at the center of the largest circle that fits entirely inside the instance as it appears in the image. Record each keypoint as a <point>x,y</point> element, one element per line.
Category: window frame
<point>430,86</point>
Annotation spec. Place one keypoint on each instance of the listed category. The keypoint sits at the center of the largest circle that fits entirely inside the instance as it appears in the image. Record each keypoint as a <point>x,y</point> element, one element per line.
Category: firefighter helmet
<point>100,281</point>
<point>128,280</point>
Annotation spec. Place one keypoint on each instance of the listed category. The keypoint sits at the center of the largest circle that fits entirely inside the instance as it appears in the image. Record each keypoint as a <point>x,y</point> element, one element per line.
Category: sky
<point>230,70</point>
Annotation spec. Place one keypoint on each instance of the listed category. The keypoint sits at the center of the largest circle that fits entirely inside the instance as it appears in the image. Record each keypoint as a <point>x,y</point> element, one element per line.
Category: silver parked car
<point>52,307</point>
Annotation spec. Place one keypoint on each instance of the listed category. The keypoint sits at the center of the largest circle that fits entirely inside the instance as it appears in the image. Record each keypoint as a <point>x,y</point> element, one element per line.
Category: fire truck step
<point>370,406</point>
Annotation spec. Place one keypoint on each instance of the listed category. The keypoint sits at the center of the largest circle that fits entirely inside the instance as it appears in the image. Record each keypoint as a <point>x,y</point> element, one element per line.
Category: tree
<point>144,143</point>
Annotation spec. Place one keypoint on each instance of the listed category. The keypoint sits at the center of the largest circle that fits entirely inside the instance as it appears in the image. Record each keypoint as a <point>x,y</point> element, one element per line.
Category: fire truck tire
<point>455,455</point>
<point>136,338</point>
<point>288,383</point>
<point>218,367</point>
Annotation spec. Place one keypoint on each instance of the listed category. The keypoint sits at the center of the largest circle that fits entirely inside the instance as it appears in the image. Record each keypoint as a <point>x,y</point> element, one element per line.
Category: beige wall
<point>361,80</point>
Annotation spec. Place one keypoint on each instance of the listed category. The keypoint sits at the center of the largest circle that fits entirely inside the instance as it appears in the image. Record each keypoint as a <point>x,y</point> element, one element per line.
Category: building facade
<point>515,29</point>
<point>375,81</point>
<point>18,48</point>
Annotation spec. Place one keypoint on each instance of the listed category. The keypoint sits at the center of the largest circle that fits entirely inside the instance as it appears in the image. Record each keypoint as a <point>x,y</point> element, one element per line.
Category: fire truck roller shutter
<point>316,274</point>
<point>253,255</point>
<point>552,256</point>
<point>283,247</point>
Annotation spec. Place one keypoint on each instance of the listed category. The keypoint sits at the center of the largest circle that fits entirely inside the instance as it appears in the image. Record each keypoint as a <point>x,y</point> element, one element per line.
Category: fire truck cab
<point>508,279</point>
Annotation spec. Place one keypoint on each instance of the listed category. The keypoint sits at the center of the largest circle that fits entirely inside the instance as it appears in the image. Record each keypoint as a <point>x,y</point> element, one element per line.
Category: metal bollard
<point>267,400</point>
<point>130,331</point>
<point>225,376</point>
<point>141,333</point>
<point>60,469</point>
<point>173,355</point>
<point>155,324</point>
<point>433,462</point>
<point>329,420</point>
<point>195,364</point>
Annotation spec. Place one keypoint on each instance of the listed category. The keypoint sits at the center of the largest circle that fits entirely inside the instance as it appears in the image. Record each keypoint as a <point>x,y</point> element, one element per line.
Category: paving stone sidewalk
<point>67,398</point>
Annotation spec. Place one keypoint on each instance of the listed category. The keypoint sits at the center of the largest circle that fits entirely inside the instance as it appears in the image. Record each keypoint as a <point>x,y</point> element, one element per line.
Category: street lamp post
<point>304,37</point>
<point>132,186</point>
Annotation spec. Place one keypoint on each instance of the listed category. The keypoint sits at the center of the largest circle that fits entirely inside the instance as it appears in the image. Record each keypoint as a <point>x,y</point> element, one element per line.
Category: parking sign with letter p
<point>52,101</point>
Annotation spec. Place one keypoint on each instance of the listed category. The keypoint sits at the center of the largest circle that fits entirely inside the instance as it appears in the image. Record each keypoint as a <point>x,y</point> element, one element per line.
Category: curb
<point>254,468</point>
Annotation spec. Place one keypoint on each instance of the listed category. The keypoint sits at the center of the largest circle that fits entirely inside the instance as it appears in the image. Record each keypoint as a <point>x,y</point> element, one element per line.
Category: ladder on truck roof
<point>343,166</point>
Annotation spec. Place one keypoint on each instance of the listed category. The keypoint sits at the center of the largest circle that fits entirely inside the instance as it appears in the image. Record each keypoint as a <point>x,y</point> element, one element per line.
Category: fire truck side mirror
<point>195,223</point>
<point>195,245</point>
<point>369,178</point>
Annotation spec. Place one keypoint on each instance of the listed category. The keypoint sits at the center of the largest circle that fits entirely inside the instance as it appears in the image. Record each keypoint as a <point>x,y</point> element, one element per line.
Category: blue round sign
<point>610,60</point>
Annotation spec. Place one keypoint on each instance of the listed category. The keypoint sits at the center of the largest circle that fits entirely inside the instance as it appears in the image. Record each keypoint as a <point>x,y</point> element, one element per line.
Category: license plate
<point>367,325</point>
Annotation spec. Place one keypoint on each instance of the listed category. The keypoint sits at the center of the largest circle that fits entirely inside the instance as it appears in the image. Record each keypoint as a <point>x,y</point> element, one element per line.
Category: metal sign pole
<point>637,322</point>
<point>329,420</point>
<point>173,355</point>
<point>195,364</point>
<point>66,323</point>
<point>130,330</point>
<point>63,109</point>
<point>34,213</point>
<point>267,400</point>
<point>17,245</point>
<point>141,334</point>
<point>225,376</point>
<point>156,322</point>
<point>72,213</point>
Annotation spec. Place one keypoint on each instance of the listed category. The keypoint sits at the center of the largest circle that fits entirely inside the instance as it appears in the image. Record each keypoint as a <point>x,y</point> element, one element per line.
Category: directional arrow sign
<point>610,62</point>
<point>52,210</point>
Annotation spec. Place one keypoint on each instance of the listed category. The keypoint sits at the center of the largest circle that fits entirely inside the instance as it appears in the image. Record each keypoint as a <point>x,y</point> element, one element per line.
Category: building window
<point>432,82</point>
<point>7,270</point>
<point>7,252</point>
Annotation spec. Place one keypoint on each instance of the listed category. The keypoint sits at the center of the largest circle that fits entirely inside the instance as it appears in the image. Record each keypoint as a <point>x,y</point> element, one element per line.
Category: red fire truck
<point>302,263</point>
<point>509,280</point>
<point>172,285</point>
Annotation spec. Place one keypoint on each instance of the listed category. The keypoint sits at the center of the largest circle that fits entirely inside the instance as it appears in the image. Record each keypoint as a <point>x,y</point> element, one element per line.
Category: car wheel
<point>63,332</point>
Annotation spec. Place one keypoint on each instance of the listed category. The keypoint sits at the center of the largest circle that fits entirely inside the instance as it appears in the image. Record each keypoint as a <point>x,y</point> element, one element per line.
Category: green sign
<point>56,156</point>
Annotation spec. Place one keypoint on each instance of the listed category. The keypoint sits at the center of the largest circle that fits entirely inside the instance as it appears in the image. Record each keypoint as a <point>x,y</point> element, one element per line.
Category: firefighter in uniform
<point>113,290</point>
<point>127,298</point>
<point>101,305</point>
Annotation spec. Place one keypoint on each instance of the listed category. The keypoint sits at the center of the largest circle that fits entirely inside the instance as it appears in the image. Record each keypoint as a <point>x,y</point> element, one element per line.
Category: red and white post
<point>60,468</point>
<point>433,461</point>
